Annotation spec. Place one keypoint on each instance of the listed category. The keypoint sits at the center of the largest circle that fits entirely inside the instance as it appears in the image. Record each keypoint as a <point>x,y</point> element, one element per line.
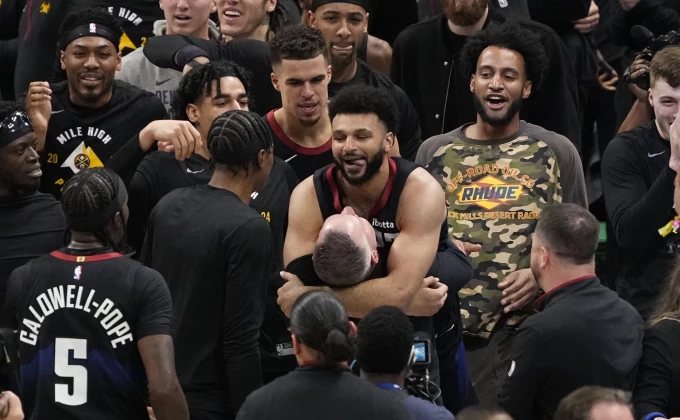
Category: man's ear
<point>271,5</point>
<point>62,56</point>
<point>296,344</point>
<point>389,141</point>
<point>352,329</point>
<point>375,257</point>
<point>366,22</point>
<point>193,113</point>
<point>526,91</point>
<point>650,98</point>
<point>472,83</point>
<point>311,19</point>
<point>119,60</point>
<point>545,257</point>
<point>275,81</point>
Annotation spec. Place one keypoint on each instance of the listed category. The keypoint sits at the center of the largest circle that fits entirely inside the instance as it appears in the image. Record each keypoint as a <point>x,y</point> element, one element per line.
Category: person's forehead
<point>311,67</point>
<point>340,7</point>
<point>90,42</point>
<point>500,57</point>
<point>662,88</point>
<point>355,122</point>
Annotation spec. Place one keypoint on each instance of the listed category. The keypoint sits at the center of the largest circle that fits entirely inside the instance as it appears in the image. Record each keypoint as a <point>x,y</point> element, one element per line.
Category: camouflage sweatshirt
<point>495,191</point>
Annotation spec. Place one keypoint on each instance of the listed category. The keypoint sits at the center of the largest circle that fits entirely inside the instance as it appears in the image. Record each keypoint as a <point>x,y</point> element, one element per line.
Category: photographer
<point>638,188</point>
<point>386,354</point>
<point>323,386</point>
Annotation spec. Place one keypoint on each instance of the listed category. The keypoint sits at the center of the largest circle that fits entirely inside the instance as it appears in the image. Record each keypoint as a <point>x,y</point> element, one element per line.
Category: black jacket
<point>423,67</point>
<point>315,392</point>
<point>658,384</point>
<point>585,335</point>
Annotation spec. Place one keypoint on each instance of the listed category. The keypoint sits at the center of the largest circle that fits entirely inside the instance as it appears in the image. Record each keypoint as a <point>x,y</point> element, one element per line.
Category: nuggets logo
<point>489,193</point>
<point>82,158</point>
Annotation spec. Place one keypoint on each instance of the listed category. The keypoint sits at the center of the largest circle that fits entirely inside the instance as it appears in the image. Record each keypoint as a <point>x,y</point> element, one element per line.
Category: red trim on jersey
<point>85,258</point>
<point>290,143</point>
<point>383,199</point>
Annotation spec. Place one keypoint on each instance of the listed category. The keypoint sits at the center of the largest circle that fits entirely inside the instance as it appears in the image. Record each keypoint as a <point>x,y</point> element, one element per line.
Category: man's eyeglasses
<point>15,122</point>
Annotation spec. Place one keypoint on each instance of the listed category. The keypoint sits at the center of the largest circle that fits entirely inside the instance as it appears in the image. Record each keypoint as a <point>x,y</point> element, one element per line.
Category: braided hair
<point>236,138</point>
<point>88,193</point>
<point>198,83</point>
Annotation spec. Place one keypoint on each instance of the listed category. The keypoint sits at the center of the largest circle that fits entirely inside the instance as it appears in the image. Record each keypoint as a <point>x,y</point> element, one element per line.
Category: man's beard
<point>505,119</point>
<point>464,14</point>
<point>373,165</point>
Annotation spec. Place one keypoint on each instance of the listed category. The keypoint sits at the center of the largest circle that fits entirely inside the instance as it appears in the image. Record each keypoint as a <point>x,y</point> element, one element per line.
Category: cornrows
<point>88,193</point>
<point>236,138</point>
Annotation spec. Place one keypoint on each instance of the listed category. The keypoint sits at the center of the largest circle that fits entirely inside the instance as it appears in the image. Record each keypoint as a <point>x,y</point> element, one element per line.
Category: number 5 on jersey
<point>62,349</point>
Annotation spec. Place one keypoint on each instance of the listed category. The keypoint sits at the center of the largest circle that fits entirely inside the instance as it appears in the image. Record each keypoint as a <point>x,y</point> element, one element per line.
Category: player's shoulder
<point>555,141</point>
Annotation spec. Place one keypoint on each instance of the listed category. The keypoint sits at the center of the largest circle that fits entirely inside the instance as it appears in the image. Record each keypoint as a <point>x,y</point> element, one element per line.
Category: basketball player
<point>93,324</point>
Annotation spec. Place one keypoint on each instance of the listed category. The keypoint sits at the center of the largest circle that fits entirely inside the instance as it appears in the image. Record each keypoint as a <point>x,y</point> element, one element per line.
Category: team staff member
<point>638,189</point>
<point>343,24</point>
<point>301,72</point>
<point>441,96</point>
<point>100,319</point>
<point>32,222</point>
<point>498,173</point>
<point>584,335</point>
<point>82,122</point>
<point>39,28</point>
<point>220,296</point>
<point>183,18</point>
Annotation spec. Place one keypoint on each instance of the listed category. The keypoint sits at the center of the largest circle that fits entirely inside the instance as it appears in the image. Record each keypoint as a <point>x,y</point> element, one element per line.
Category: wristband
<point>187,54</point>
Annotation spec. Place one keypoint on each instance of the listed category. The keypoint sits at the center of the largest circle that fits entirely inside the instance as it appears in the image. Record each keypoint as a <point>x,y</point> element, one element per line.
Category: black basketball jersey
<point>79,319</point>
<point>304,160</point>
<point>383,216</point>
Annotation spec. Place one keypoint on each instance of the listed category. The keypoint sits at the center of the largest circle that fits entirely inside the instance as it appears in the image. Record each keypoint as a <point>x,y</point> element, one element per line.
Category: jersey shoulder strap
<point>326,191</point>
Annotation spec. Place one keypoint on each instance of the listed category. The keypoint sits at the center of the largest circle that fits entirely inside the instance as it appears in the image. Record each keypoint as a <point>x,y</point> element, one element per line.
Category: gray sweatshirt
<point>138,71</point>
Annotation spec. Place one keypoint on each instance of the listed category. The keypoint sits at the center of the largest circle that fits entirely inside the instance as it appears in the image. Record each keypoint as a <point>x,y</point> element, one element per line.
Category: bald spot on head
<point>610,411</point>
<point>357,228</point>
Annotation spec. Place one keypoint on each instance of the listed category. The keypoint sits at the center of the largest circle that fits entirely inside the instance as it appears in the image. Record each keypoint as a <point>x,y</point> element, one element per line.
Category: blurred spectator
<point>480,413</point>
<point>425,64</point>
<point>255,19</point>
<point>10,14</point>
<point>584,335</point>
<point>516,8</point>
<point>322,387</point>
<point>595,403</point>
<point>182,17</point>
<point>638,189</point>
<point>385,355</point>
<point>658,384</point>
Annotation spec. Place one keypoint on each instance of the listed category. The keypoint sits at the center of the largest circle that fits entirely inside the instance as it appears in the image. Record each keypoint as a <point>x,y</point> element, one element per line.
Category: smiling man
<point>32,223</point>
<point>255,19</point>
<point>182,17</point>
<point>81,122</point>
<point>498,173</point>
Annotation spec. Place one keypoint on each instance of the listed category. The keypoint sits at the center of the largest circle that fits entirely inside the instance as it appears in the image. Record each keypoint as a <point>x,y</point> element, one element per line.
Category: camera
<point>653,46</point>
<point>417,382</point>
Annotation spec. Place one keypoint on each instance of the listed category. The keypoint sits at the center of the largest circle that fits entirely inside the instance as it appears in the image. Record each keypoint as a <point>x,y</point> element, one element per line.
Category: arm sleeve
<point>126,160</point>
<point>153,305</point>
<point>636,213</point>
<point>558,92</point>
<point>409,135</point>
<point>572,179</point>
<point>452,267</point>
<point>161,50</point>
<point>652,392</point>
<point>519,386</point>
<point>303,268</point>
<point>244,305</point>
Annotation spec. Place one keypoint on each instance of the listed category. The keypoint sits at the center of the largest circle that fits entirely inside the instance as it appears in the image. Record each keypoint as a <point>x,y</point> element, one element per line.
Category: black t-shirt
<point>304,160</point>
<point>30,226</point>
<point>408,132</point>
<point>638,190</point>
<point>80,316</point>
<point>215,253</point>
<point>79,138</point>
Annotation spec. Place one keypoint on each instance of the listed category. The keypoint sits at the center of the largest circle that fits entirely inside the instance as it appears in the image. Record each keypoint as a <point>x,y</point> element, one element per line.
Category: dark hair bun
<point>337,348</point>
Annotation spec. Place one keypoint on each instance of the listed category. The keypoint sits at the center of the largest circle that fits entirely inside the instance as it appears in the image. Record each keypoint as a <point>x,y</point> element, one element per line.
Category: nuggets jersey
<point>383,216</point>
<point>79,319</point>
